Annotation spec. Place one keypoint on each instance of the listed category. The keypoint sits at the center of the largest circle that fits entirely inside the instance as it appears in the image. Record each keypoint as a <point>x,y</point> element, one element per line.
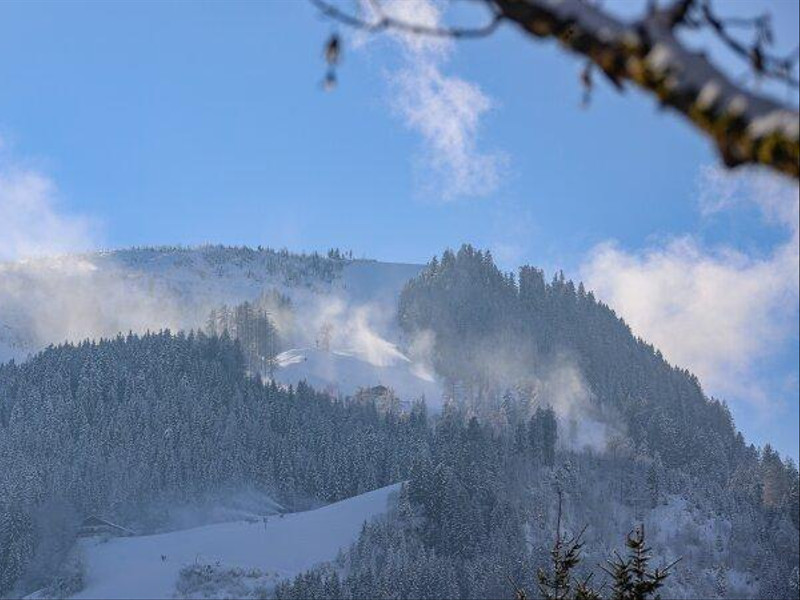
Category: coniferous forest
<point>400,300</point>
<point>126,426</point>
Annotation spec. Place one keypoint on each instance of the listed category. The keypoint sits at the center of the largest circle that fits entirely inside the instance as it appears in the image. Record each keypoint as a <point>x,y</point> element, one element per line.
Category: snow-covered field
<point>340,372</point>
<point>260,552</point>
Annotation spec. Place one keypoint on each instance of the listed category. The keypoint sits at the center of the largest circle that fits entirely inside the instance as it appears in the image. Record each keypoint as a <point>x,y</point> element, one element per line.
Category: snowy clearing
<point>149,566</point>
<point>340,372</point>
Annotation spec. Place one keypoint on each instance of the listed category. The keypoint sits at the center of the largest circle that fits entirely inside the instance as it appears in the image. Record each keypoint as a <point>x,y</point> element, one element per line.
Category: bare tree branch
<point>764,64</point>
<point>746,127</point>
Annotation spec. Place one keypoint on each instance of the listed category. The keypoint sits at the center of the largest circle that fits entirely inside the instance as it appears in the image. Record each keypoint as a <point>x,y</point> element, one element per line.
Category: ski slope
<point>340,372</point>
<point>282,547</point>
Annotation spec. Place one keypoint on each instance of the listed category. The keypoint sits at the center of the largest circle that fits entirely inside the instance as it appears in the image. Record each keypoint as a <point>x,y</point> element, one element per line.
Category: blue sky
<point>185,123</point>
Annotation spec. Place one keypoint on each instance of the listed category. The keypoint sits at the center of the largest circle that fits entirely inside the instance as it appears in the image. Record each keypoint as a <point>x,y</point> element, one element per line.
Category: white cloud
<point>720,189</point>
<point>444,109</point>
<point>48,293</point>
<point>31,223</point>
<point>716,311</point>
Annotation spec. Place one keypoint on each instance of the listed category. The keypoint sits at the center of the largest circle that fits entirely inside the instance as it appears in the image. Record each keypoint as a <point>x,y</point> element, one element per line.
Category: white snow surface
<point>340,372</point>
<point>283,546</point>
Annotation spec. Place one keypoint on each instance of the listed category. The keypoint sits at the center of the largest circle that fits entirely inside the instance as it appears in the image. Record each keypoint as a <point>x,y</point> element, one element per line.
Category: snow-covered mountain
<point>552,397</point>
<point>71,298</point>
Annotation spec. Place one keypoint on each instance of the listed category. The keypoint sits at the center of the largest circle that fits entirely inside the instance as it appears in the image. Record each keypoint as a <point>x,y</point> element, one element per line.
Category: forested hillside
<point>480,507</point>
<point>50,300</point>
<point>548,396</point>
<point>493,333</point>
<point>112,427</point>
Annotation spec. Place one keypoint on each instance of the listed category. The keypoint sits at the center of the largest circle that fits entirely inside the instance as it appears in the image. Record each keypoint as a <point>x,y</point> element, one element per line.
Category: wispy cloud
<point>717,310</point>
<point>445,110</point>
<point>48,293</point>
<point>31,221</point>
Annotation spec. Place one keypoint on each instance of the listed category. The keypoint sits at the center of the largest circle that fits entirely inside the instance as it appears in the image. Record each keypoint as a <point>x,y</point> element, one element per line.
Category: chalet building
<point>95,526</point>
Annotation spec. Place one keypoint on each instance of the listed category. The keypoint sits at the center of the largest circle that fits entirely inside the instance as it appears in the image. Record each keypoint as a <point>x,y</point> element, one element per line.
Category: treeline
<point>292,268</point>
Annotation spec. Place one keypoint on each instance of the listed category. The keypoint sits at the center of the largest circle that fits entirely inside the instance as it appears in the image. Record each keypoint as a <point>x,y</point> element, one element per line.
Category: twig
<point>385,22</point>
<point>764,64</point>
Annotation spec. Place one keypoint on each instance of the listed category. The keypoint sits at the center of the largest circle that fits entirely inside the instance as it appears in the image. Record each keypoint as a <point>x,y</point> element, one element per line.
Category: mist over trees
<point>493,332</point>
<point>559,438</point>
<point>125,427</point>
<point>481,508</point>
<point>112,427</point>
<point>255,327</point>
